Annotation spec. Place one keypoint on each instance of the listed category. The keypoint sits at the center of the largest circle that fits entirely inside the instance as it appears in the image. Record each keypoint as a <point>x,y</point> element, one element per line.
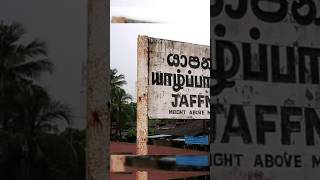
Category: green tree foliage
<point>31,147</point>
<point>20,64</point>
<point>117,80</point>
<point>123,110</point>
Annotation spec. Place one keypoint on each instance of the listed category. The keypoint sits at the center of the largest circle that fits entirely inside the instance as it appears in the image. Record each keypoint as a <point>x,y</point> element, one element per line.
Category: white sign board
<point>266,93</point>
<point>178,80</point>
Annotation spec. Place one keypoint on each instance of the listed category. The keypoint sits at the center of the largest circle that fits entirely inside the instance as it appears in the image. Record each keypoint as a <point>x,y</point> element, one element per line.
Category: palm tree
<point>27,113</point>
<point>117,81</point>
<point>34,116</point>
<point>119,100</point>
<point>37,115</point>
<point>119,108</point>
<point>20,64</point>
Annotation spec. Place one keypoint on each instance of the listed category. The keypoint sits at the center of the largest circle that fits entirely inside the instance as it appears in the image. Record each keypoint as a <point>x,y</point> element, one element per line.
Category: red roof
<point>158,175</point>
<point>130,148</point>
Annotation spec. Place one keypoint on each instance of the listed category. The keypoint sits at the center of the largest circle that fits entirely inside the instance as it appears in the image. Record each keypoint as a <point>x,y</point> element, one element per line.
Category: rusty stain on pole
<point>98,92</point>
<point>142,100</point>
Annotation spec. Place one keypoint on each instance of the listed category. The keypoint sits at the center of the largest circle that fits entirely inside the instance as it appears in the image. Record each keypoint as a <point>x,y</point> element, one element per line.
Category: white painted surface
<point>250,93</point>
<point>164,101</point>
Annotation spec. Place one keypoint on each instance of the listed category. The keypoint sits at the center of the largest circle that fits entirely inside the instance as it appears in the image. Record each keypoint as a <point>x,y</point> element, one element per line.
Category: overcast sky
<point>181,20</point>
<point>62,25</point>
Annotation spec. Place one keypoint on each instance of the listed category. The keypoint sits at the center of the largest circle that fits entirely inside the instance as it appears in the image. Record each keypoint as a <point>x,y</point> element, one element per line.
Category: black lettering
<point>239,12</point>
<point>217,159</point>
<point>175,103</point>
<point>216,8</point>
<point>169,61</point>
<point>262,125</point>
<point>312,123</point>
<point>262,74</point>
<point>237,112</point>
<point>288,126</point>
<point>207,101</point>
<point>192,100</point>
<point>189,80</point>
<point>157,78</point>
<point>315,161</point>
<point>238,159</point>
<point>277,76</point>
<point>308,17</point>
<point>184,101</point>
<point>314,55</point>
<point>258,162</point>
<point>198,81</point>
<point>178,82</point>
<point>268,161</point>
<point>200,100</point>
<point>221,74</point>
<point>206,82</point>
<point>297,161</point>
<point>176,60</point>
<point>228,160</point>
<point>268,16</point>
<point>194,62</point>
<point>205,63</point>
<point>167,79</point>
<point>185,61</point>
<point>278,160</point>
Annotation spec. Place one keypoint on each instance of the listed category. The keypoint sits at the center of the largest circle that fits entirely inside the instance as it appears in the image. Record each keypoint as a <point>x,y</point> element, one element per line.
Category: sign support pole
<point>142,100</point>
<point>98,91</point>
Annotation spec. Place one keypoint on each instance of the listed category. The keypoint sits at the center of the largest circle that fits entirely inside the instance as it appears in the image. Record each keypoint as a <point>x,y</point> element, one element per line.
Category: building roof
<point>191,128</point>
<point>130,148</point>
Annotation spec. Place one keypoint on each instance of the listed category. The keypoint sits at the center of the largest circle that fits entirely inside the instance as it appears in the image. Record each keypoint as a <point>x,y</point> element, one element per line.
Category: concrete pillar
<point>98,91</point>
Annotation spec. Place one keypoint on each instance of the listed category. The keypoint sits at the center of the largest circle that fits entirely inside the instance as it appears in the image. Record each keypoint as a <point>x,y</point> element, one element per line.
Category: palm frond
<point>11,33</point>
<point>33,49</point>
<point>20,62</point>
<point>117,80</point>
<point>33,69</point>
<point>53,112</point>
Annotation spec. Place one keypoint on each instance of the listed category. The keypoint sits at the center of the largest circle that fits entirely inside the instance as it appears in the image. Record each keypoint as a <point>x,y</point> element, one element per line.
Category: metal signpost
<point>266,91</point>
<point>173,83</point>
